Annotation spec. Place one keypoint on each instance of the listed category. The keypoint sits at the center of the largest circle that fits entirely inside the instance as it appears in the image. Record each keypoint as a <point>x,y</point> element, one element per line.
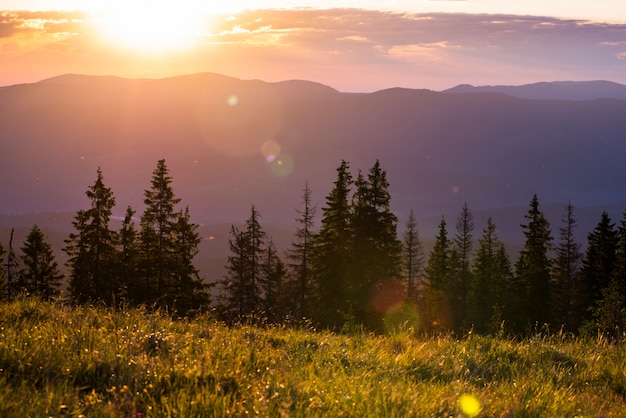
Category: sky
<point>350,45</point>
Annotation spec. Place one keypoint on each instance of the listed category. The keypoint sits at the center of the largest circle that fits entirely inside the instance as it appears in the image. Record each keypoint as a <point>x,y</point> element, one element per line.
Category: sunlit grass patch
<point>62,361</point>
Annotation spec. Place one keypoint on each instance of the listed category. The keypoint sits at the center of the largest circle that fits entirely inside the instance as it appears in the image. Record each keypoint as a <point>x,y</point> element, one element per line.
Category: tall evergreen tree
<point>40,272</point>
<point>272,284</point>
<point>533,271</point>
<point>461,274</point>
<point>413,255</point>
<point>377,252</point>
<point>566,274</point>
<point>158,237</point>
<point>599,262</point>
<point>435,303</point>
<point>190,292</point>
<point>92,250</point>
<point>491,274</point>
<point>129,258</point>
<point>245,268</point>
<point>332,253</point>
<point>12,270</point>
<point>301,257</point>
<point>3,275</point>
<point>236,284</point>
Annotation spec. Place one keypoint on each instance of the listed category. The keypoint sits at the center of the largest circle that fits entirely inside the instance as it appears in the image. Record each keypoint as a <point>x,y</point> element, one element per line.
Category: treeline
<point>353,270</point>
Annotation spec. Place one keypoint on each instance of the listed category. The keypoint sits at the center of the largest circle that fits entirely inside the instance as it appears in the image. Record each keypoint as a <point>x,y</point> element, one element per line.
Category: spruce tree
<point>377,252</point>
<point>332,254</point>
<point>566,275</point>
<point>413,255</point>
<point>461,274</point>
<point>599,262</point>
<point>12,270</point>
<point>272,285</point>
<point>40,272</point>
<point>242,292</point>
<point>3,275</point>
<point>92,250</point>
<point>487,292</point>
<point>533,272</point>
<point>129,258</point>
<point>235,284</point>
<point>301,258</point>
<point>190,292</point>
<point>435,303</point>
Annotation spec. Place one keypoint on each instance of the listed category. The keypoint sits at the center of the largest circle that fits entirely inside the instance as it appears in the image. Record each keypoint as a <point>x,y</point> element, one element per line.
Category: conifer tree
<point>566,275</point>
<point>190,292</point>
<point>242,283</point>
<point>332,254</point>
<point>533,272</point>
<point>272,284</point>
<point>129,258</point>
<point>377,252</point>
<point>12,270</point>
<point>301,258</point>
<point>487,292</point>
<point>158,237</point>
<point>599,262</point>
<point>92,250</point>
<point>435,303</point>
<point>461,274</point>
<point>3,275</point>
<point>40,272</point>
<point>236,283</point>
<point>413,255</point>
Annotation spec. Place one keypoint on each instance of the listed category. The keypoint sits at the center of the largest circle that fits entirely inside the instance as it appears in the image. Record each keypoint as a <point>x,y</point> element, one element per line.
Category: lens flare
<point>282,166</point>
<point>232,100</point>
<point>270,150</point>
<point>469,405</point>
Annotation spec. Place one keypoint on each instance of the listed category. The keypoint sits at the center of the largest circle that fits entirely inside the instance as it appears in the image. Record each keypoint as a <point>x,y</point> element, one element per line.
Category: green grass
<point>62,361</point>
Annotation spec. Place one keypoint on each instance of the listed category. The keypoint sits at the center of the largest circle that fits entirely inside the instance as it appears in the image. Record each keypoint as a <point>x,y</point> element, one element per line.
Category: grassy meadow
<point>77,361</point>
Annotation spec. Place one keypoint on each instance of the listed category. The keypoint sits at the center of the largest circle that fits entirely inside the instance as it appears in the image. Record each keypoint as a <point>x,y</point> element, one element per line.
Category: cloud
<point>434,50</point>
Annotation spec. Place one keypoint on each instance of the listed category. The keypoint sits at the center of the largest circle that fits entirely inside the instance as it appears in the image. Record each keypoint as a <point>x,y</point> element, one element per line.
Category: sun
<point>157,26</point>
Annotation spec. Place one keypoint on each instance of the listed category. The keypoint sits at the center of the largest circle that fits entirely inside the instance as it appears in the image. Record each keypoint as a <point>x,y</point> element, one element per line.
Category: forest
<point>353,271</point>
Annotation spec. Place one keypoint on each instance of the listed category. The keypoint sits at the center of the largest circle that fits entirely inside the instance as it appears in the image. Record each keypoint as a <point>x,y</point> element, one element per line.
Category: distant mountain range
<point>557,90</point>
<point>232,143</point>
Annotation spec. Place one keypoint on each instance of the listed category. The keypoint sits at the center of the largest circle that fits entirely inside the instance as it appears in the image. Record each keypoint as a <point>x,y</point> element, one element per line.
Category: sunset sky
<point>350,45</point>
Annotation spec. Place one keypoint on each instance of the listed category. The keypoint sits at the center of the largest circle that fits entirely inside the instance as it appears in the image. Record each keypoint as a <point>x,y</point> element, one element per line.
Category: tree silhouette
<point>413,256</point>
<point>301,257</point>
<point>332,254</point>
<point>435,302</point>
<point>461,274</point>
<point>92,250</point>
<point>533,272</point>
<point>40,272</point>
<point>566,275</point>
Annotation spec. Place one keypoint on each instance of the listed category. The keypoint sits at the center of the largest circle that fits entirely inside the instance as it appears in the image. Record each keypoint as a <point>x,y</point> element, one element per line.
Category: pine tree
<point>599,262</point>
<point>242,284</point>
<point>92,250</point>
<point>413,255</point>
<point>461,272</point>
<point>332,254</point>
<point>129,258</point>
<point>272,285</point>
<point>300,257</point>
<point>489,281</point>
<point>3,275</point>
<point>533,271</point>
<point>435,304</point>
<point>235,285</point>
<point>566,274</point>
<point>40,272</point>
<point>377,252</point>
<point>190,292</point>
<point>12,271</point>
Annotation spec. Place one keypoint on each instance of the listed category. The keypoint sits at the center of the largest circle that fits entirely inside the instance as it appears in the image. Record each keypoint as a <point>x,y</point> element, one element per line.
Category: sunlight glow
<point>469,405</point>
<point>155,26</point>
